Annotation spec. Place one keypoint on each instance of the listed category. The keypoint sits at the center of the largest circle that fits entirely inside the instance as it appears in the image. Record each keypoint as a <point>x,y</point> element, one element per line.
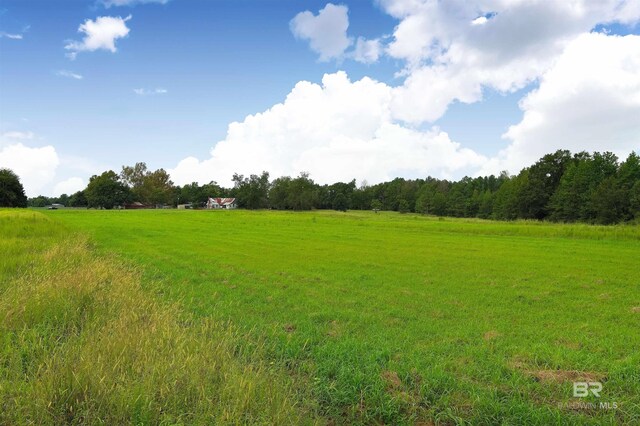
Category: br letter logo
<point>582,389</point>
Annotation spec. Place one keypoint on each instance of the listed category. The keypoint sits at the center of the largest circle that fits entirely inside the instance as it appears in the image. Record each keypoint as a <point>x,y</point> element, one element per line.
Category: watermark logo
<point>583,389</point>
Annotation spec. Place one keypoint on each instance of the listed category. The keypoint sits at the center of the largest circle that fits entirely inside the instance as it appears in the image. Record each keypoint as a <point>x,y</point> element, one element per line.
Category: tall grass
<point>82,343</point>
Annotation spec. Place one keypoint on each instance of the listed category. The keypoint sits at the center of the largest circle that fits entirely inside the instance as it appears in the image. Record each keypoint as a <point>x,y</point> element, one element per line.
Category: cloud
<point>11,36</point>
<point>69,186</point>
<point>326,31</point>
<point>454,50</point>
<point>15,36</point>
<point>367,51</point>
<point>589,100</point>
<point>109,3</point>
<point>588,96</point>
<point>147,92</point>
<point>480,20</point>
<point>69,74</point>
<point>16,136</point>
<point>36,167</point>
<point>339,130</point>
<point>99,34</point>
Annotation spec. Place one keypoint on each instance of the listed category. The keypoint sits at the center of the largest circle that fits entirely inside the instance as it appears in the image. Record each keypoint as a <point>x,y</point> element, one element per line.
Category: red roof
<point>224,201</point>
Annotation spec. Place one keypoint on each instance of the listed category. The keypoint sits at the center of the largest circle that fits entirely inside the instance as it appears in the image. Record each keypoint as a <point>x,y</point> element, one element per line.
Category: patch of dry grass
<point>82,343</point>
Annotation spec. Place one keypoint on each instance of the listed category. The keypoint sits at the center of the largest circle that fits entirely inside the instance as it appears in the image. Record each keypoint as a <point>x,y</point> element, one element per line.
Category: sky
<point>365,90</point>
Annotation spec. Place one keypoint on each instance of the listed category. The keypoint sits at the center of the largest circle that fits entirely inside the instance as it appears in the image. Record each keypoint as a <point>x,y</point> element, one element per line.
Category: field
<point>321,317</point>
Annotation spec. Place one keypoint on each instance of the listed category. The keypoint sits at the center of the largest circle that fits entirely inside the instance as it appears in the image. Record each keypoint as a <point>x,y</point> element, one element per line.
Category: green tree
<point>506,202</point>
<point>486,205</point>
<point>279,193</point>
<point>106,191</point>
<point>78,199</point>
<point>458,199</point>
<point>157,187</point>
<point>439,203</point>
<point>191,193</point>
<point>302,193</point>
<point>361,197</point>
<point>39,201</point>
<point>609,202</point>
<point>403,206</point>
<point>146,186</point>
<point>634,200</point>
<point>575,199</point>
<point>133,176</point>
<point>252,192</point>
<point>425,197</point>
<point>629,171</point>
<point>11,190</point>
<point>543,179</point>
<point>340,202</point>
<point>376,204</point>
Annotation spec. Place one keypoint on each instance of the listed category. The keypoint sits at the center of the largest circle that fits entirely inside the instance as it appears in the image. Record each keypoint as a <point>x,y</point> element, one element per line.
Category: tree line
<point>565,187</point>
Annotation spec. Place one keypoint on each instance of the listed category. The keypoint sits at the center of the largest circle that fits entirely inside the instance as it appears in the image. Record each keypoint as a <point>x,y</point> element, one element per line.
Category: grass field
<point>82,343</point>
<point>367,318</point>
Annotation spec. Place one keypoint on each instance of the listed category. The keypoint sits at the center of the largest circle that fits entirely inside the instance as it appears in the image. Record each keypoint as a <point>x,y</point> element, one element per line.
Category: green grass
<point>400,319</point>
<point>82,343</point>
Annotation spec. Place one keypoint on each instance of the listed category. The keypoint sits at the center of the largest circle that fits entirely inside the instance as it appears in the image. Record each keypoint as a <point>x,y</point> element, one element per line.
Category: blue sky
<point>186,69</point>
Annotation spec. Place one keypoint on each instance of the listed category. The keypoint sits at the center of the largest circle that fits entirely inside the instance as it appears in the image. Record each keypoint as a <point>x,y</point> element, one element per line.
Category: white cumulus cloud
<point>69,186</point>
<point>589,100</point>
<point>99,34</point>
<point>453,50</point>
<point>339,130</point>
<point>36,167</point>
<point>326,31</point>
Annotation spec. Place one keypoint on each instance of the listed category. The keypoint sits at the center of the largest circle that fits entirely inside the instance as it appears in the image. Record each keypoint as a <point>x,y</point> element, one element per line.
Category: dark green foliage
<point>608,202</point>
<point>39,201</point>
<point>542,181</point>
<point>11,190</point>
<point>576,198</point>
<point>340,203</point>
<point>107,191</point>
<point>302,193</point>
<point>252,192</point>
<point>593,188</point>
<point>505,203</point>
<point>278,195</point>
<point>327,195</point>
<point>634,200</point>
<point>486,205</point>
<point>146,186</point>
<point>78,200</point>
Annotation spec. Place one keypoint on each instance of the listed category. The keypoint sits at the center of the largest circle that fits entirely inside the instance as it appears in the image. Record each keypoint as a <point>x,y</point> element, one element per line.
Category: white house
<point>221,203</point>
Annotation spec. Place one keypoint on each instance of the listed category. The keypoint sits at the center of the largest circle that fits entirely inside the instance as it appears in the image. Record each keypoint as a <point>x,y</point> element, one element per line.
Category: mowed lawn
<point>390,318</point>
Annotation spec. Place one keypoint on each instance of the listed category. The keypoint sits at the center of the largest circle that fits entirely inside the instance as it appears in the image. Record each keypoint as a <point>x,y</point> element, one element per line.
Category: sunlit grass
<point>82,343</point>
<point>399,319</point>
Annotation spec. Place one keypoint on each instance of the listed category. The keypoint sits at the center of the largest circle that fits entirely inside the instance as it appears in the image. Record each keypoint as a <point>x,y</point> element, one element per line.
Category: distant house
<point>137,205</point>
<point>185,206</point>
<point>221,203</point>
